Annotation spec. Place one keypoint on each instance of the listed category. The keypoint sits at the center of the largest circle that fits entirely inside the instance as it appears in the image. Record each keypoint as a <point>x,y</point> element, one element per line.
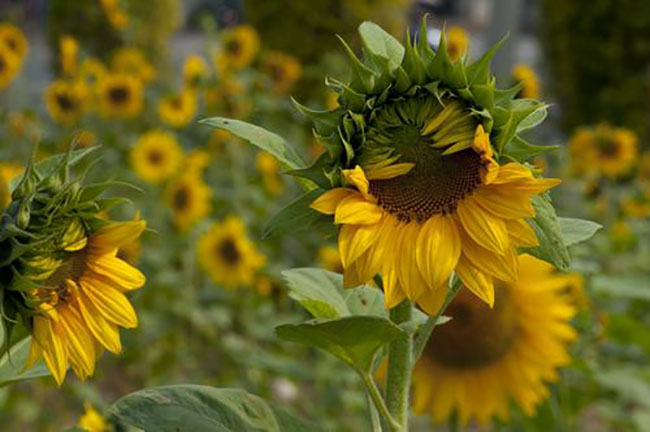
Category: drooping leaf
<point>354,339</point>
<point>202,408</point>
<point>259,137</point>
<point>577,230</point>
<point>13,361</point>
<point>552,248</point>
<point>298,216</point>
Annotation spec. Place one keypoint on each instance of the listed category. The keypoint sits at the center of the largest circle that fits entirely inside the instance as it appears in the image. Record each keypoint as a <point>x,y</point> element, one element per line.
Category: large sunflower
<point>604,150</point>
<point>227,255</point>
<point>189,198</point>
<point>156,156</point>
<point>66,101</point>
<point>178,110</point>
<point>484,357</point>
<point>427,198</point>
<point>120,96</point>
<point>81,297</point>
<point>14,39</point>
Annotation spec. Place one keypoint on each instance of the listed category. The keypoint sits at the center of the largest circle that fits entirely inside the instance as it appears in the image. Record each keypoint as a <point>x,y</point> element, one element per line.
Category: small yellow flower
<point>330,259</point>
<point>283,69</point>
<point>131,61</point>
<point>189,199</point>
<point>524,74</point>
<point>66,101</point>
<point>9,66</point>
<point>268,167</point>
<point>604,150</point>
<point>68,51</point>
<point>156,156</point>
<point>227,255</point>
<point>92,70</point>
<point>178,110</point>
<point>120,96</point>
<point>239,47</point>
<point>457,42</point>
<point>14,39</point>
<point>92,421</point>
<point>195,69</point>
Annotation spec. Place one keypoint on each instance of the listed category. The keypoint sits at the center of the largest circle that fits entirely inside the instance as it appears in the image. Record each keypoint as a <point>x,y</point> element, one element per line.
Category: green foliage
<point>551,244</point>
<point>194,407</point>
<point>12,363</point>
<point>577,230</point>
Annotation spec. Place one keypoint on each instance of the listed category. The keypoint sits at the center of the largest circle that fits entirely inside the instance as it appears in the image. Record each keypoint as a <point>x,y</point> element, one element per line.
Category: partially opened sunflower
<point>425,173</point>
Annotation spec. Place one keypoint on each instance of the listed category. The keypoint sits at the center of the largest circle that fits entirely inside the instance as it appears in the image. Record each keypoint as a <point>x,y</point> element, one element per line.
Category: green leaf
<point>631,385</point>
<point>202,408</point>
<point>381,46</point>
<point>552,248</point>
<point>533,119</point>
<point>633,287</point>
<point>353,339</point>
<point>298,216</point>
<point>521,150</point>
<point>12,362</point>
<point>259,137</point>
<point>577,230</point>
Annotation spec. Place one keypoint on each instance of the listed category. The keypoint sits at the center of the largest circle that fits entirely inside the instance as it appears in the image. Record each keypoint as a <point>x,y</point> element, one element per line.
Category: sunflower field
<point>343,215</point>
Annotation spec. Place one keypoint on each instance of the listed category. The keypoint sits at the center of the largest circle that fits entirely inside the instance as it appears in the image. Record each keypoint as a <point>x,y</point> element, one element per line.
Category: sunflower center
<point>3,64</point>
<point>477,335</point>
<point>155,157</point>
<point>181,198</point>
<point>608,147</point>
<point>65,102</point>
<point>228,251</point>
<point>118,95</point>
<point>233,47</point>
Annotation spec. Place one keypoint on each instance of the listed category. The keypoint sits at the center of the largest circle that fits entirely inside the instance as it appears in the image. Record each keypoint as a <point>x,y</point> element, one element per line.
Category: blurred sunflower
<point>605,150</point>
<point>196,161</point>
<point>132,61</point>
<point>194,70</point>
<point>269,168</point>
<point>80,297</point>
<point>66,101</point>
<point>330,259</point>
<point>8,171</point>
<point>156,156</point>
<point>637,206</point>
<point>116,16</point>
<point>92,421</point>
<point>283,69</point>
<point>227,255</point>
<point>120,96</point>
<point>526,76</point>
<point>68,54</point>
<point>457,43</point>
<point>9,66</point>
<point>239,47</point>
<point>178,110</point>
<point>446,206</point>
<point>189,198</point>
<point>483,357</point>
<point>14,39</point>
<point>92,70</point>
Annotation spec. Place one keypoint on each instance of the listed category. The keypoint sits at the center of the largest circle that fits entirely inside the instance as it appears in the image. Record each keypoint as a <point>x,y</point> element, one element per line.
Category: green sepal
<point>413,64</point>
<point>441,66</point>
<point>94,190</point>
<point>502,96</point>
<point>423,48</point>
<point>521,150</point>
<point>348,97</point>
<point>479,71</point>
<point>363,78</point>
<point>483,95</point>
<point>325,122</point>
<point>316,172</point>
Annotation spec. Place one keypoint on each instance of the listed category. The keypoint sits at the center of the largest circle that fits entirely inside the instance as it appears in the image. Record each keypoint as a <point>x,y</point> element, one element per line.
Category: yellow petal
<point>356,210</point>
<point>52,345</point>
<point>116,235</point>
<point>123,274</point>
<point>512,172</point>
<point>437,249</point>
<point>355,240</point>
<point>389,172</point>
<point>411,280</point>
<point>351,277</point>
<point>80,343</point>
<point>485,229</point>
<point>104,331</point>
<point>328,202</point>
<point>113,305</point>
<point>477,282</point>
<point>35,353</point>
<point>504,267</point>
<point>522,233</point>
<point>358,178</point>
<point>431,301</point>
<point>503,205</point>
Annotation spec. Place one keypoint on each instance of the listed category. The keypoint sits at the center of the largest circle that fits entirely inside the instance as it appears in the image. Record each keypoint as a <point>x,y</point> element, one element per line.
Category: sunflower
<point>269,167</point>
<point>194,70</point>
<point>527,78</point>
<point>9,66</point>
<point>116,16</point>
<point>227,255</point>
<point>14,39</point>
<point>156,156</point>
<point>178,110</point>
<point>483,357</point>
<point>239,47</point>
<point>458,42</point>
<point>283,69</point>
<point>427,198</point>
<point>189,198</point>
<point>80,297</point>
<point>120,96</point>
<point>92,70</point>
<point>330,259</point>
<point>68,52</point>
<point>92,421</point>
<point>66,101</point>
<point>133,62</point>
<point>604,150</point>
<point>8,171</point>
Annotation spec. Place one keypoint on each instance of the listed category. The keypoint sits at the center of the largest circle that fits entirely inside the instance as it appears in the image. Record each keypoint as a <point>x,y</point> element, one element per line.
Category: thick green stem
<point>379,403</point>
<point>400,362</point>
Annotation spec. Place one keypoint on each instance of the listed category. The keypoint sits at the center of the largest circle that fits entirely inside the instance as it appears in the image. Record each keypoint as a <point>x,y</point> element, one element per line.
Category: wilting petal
<point>504,206</point>
<point>502,266</point>
<point>104,331</point>
<point>81,347</point>
<point>410,278</point>
<point>432,299</point>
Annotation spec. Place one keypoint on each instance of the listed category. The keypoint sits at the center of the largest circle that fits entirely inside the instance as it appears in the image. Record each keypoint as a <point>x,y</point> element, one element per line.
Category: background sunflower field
<point>136,78</point>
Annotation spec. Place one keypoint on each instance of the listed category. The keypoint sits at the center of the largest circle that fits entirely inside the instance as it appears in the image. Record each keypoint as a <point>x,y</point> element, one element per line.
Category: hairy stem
<point>379,403</point>
<point>400,362</point>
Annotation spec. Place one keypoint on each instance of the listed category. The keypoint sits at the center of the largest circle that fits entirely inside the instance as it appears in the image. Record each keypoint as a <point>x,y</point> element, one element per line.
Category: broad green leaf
<point>533,119</point>
<point>259,137</point>
<point>202,408</point>
<point>12,362</point>
<point>627,287</point>
<point>552,248</point>
<point>577,230</point>
<point>380,44</point>
<point>298,216</point>
<point>353,339</point>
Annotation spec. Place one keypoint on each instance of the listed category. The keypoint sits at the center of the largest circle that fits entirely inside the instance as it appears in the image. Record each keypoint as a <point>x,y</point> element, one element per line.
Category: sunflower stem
<point>380,405</point>
<point>398,381</point>
<point>427,328</point>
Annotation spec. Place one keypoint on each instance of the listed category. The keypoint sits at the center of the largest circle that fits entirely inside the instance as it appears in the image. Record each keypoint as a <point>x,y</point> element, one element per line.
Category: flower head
<point>604,150</point>
<point>189,199</point>
<point>178,110</point>
<point>239,47</point>
<point>14,39</point>
<point>66,101</point>
<point>131,61</point>
<point>156,156</point>
<point>195,69</point>
<point>120,96</point>
<point>9,66</point>
<point>283,69</point>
